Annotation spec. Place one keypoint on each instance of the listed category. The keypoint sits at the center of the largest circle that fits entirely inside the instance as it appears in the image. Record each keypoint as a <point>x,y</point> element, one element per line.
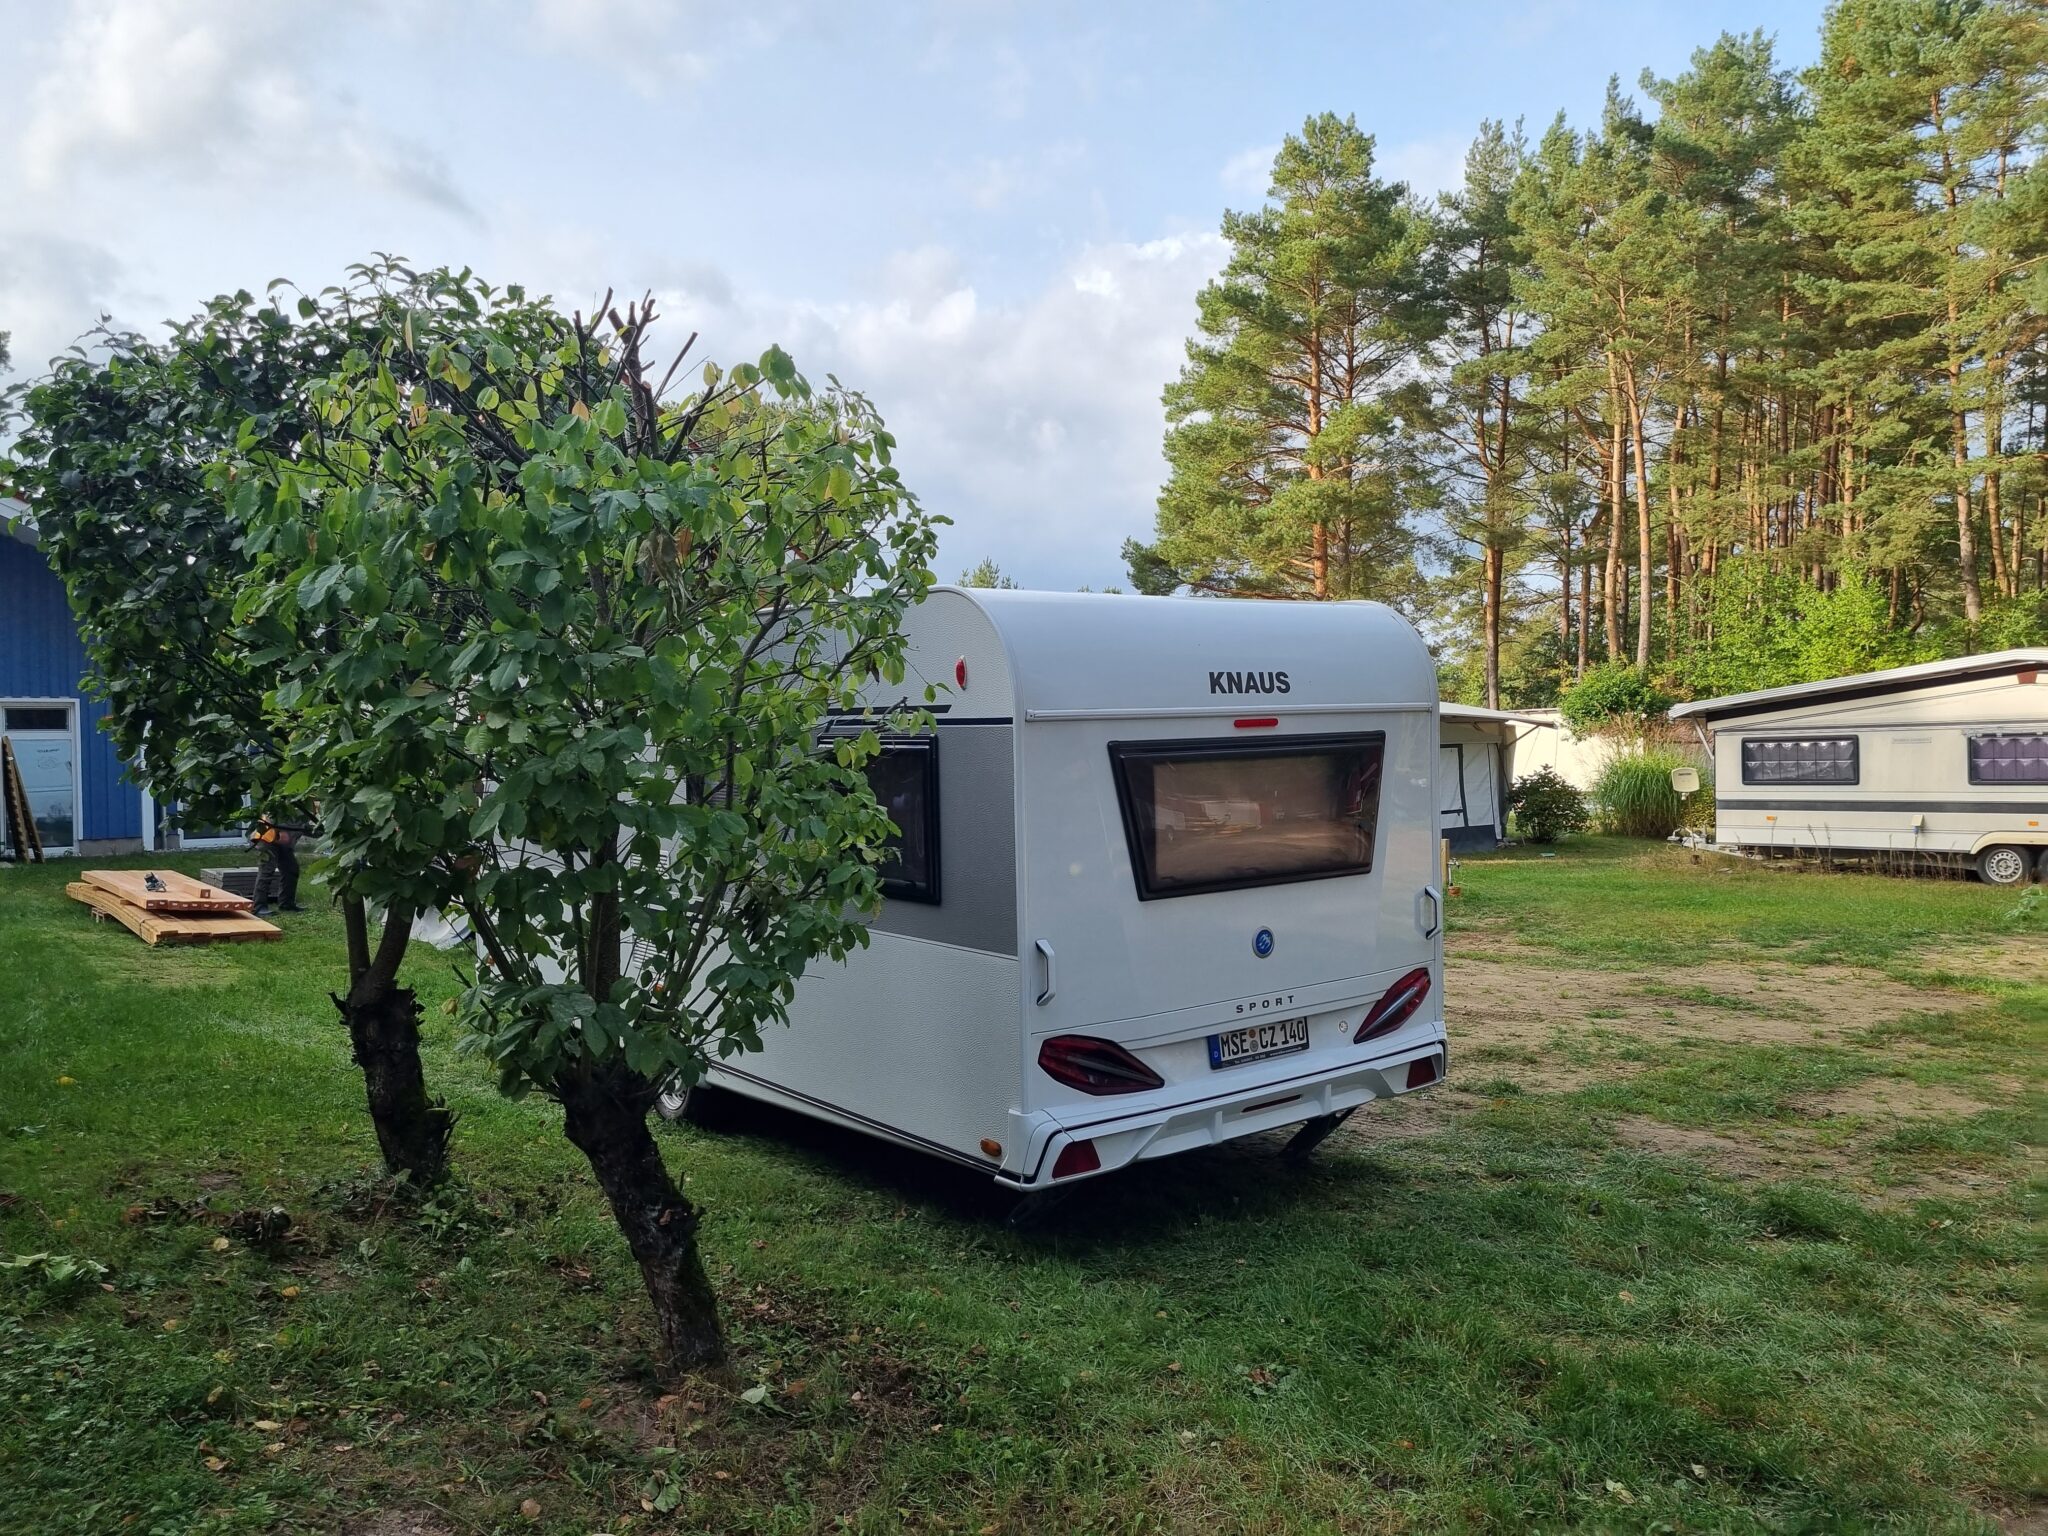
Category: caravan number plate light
<point>1256,1042</point>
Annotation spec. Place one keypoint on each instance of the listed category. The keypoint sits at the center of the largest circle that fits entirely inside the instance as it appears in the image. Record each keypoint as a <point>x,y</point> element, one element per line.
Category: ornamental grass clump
<point>1634,793</point>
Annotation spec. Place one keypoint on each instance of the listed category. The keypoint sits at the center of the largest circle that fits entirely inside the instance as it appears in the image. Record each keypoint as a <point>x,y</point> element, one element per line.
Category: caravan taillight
<point>1095,1066</point>
<point>1076,1157</point>
<point>1396,1007</point>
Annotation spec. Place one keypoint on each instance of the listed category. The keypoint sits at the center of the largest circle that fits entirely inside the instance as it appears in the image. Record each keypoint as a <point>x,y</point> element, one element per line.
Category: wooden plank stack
<point>22,831</point>
<point>165,907</point>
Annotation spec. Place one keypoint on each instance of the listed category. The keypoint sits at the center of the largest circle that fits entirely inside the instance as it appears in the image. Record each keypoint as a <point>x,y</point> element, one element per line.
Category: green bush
<point>1547,806</point>
<point>1613,693</point>
<point>1635,796</point>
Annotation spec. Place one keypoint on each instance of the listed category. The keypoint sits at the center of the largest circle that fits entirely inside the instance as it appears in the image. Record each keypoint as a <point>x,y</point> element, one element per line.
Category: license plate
<point>1255,1042</point>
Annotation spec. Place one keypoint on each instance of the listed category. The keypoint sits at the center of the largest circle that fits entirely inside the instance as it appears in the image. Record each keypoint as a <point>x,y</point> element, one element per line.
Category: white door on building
<point>46,750</point>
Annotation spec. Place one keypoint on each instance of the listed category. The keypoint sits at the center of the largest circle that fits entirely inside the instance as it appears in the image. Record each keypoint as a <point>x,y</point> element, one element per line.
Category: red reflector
<point>960,671</point>
<point>1095,1066</point>
<point>1396,1007</point>
<point>1076,1157</point>
<point>1422,1073</point>
<point>1259,724</point>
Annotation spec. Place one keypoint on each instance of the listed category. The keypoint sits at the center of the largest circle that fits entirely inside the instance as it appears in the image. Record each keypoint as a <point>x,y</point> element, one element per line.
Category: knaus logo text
<point>1249,682</point>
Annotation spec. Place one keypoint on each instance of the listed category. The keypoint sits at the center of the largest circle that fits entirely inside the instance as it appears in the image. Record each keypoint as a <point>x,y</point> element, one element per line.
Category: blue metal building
<point>78,788</point>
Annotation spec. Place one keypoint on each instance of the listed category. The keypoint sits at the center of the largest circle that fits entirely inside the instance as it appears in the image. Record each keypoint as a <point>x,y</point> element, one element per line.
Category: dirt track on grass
<point>1525,1022</point>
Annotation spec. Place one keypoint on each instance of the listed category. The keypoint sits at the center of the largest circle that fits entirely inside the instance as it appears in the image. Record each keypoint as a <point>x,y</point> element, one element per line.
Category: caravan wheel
<point>700,1105</point>
<point>2004,865</point>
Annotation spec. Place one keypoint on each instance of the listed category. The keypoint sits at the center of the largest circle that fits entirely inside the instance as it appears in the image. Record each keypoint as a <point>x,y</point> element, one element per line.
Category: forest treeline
<point>1742,386</point>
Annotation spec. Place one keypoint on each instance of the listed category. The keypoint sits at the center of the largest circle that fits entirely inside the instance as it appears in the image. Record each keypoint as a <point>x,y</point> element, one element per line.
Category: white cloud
<point>1249,172</point>
<point>997,182</point>
<point>1429,166</point>
<point>52,290</point>
<point>1034,423</point>
<point>196,89</point>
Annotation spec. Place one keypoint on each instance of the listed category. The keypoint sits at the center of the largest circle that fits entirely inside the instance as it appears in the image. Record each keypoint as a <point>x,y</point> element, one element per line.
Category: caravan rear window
<point>1219,816</point>
<point>2015,757</point>
<point>1800,760</point>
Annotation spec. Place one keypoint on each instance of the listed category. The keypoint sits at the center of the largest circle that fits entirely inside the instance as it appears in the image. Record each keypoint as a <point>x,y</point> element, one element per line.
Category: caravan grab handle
<point>1436,911</point>
<point>1051,976</point>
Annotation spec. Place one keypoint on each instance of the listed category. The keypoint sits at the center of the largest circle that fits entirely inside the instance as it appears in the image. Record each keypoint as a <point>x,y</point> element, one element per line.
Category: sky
<point>993,218</point>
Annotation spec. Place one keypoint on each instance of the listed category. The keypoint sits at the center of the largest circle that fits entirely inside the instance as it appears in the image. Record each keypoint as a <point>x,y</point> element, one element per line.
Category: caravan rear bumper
<point>1160,1131</point>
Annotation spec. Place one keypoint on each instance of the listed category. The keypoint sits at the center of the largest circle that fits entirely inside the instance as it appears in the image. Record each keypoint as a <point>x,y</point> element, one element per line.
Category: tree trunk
<point>1585,609</point>
<point>2004,575</point>
<point>1564,590</point>
<point>1966,525</point>
<point>1611,578</point>
<point>605,1115</point>
<point>1645,553</point>
<point>383,1022</point>
<point>1491,602</point>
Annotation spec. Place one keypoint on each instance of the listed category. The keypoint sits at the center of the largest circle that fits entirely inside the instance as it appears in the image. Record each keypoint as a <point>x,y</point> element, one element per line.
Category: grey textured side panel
<point>1925,803</point>
<point>977,846</point>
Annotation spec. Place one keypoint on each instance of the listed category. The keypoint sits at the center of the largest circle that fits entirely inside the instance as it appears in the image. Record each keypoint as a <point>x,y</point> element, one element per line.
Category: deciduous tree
<point>621,616</point>
<point>118,459</point>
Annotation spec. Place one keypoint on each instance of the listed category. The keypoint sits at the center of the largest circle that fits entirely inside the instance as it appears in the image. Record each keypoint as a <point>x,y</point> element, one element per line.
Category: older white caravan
<point>1166,875</point>
<point>1944,762</point>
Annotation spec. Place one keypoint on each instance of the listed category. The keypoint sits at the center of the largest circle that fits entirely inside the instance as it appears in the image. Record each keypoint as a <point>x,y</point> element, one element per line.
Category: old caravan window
<point>2014,758</point>
<point>1209,816</point>
<point>905,778</point>
<point>1799,760</point>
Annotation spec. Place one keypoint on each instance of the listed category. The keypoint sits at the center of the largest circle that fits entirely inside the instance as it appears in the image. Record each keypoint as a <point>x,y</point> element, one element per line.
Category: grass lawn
<point>1722,1223</point>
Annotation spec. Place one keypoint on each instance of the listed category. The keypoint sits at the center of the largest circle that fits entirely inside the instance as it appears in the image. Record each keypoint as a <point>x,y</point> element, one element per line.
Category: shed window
<point>1219,816</point>
<point>1799,760</point>
<point>2012,758</point>
<point>905,778</point>
<point>38,718</point>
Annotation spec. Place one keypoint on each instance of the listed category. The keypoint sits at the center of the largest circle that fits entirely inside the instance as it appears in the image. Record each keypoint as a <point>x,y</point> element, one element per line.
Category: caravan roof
<point>1072,654</point>
<point>1865,684</point>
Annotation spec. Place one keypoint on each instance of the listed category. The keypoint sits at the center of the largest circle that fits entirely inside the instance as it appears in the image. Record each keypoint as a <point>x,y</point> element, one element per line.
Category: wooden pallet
<point>180,893</point>
<point>229,927</point>
<point>236,879</point>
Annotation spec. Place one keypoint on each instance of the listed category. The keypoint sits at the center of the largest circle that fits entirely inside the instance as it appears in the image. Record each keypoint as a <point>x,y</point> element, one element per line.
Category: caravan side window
<point>1219,816</point>
<point>1800,760</point>
<point>905,778</point>
<point>2014,757</point>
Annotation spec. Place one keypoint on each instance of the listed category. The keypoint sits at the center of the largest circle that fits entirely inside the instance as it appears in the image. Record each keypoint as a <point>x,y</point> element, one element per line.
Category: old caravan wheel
<point>2004,865</point>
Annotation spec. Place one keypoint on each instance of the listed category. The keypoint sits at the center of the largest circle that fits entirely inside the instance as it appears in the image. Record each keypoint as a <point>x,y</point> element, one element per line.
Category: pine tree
<point>986,573</point>
<point>1922,107</point>
<point>1290,470</point>
<point>1478,417</point>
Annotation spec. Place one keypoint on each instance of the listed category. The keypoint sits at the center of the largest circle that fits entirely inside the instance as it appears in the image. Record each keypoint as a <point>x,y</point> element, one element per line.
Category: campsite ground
<point>1721,1223</point>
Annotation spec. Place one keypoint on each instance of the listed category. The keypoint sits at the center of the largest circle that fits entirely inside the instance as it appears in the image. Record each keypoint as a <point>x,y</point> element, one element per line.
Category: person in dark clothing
<point>277,881</point>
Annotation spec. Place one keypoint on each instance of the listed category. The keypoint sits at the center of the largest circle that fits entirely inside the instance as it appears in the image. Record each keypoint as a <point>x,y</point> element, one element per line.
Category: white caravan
<point>1946,761</point>
<point>1166,875</point>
